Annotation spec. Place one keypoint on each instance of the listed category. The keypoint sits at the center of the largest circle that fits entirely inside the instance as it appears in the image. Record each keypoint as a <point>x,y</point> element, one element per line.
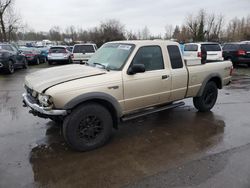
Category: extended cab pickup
<point>123,80</point>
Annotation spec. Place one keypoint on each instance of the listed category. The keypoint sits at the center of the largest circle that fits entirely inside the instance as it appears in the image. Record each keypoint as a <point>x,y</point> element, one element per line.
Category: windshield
<point>112,55</point>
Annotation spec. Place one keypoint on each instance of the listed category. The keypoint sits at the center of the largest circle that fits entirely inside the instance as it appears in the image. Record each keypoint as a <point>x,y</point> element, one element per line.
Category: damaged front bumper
<point>39,110</point>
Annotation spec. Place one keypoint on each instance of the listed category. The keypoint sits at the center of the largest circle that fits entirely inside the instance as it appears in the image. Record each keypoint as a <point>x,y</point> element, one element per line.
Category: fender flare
<point>92,96</point>
<point>209,78</point>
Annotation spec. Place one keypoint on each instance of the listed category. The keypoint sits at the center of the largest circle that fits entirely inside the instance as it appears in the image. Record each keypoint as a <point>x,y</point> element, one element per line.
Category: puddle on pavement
<point>139,148</point>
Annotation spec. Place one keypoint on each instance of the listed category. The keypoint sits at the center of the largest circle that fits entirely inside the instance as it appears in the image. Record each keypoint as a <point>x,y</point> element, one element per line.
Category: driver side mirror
<point>136,68</point>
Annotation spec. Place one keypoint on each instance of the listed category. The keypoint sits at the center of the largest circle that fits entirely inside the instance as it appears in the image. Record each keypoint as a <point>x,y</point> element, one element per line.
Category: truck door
<point>145,89</point>
<point>179,74</point>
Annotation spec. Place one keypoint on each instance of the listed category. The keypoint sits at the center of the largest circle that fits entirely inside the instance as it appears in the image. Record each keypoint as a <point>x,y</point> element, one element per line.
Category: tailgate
<point>214,55</point>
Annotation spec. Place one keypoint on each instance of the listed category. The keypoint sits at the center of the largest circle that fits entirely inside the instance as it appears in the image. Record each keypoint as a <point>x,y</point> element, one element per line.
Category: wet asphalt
<point>174,148</point>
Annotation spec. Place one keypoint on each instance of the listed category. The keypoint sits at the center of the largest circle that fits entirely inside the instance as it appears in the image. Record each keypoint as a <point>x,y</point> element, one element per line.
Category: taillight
<point>30,55</point>
<point>241,52</point>
<point>199,54</point>
<point>49,52</point>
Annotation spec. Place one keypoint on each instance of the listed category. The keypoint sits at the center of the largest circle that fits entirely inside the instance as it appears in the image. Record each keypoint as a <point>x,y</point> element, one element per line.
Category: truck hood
<point>46,78</point>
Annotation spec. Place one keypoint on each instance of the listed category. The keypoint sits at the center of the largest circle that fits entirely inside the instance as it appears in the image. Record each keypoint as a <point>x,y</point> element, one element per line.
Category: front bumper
<point>42,111</point>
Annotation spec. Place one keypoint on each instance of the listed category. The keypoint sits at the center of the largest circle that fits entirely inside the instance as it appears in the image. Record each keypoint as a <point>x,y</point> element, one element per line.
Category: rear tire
<point>70,60</point>
<point>207,100</point>
<point>37,61</point>
<point>25,64</point>
<point>88,127</point>
<point>10,69</point>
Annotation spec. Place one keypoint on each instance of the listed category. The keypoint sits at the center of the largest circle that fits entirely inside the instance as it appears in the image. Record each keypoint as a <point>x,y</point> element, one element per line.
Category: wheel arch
<point>103,99</point>
<point>216,78</point>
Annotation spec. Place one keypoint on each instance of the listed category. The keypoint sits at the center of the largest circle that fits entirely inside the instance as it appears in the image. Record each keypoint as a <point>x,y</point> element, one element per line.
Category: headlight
<point>45,100</point>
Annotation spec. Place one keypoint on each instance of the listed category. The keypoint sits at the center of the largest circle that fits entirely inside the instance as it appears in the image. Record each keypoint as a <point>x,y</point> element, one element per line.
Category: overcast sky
<point>41,15</point>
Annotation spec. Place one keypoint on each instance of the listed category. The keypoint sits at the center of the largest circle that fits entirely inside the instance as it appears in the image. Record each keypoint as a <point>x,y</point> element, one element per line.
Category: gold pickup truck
<point>123,80</point>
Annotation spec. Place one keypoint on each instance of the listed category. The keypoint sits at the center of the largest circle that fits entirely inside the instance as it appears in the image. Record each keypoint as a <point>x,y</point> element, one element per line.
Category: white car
<point>83,52</point>
<point>59,54</point>
<point>193,50</point>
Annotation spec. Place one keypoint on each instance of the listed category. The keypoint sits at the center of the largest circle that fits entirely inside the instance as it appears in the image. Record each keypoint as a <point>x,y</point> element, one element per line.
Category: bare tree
<point>214,27</point>
<point>176,32</point>
<point>130,35</point>
<point>169,29</point>
<point>193,25</point>
<point>145,33</point>
<point>55,33</point>
<point>9,21</point>
<point>4,5</point>
<point>71,32</point>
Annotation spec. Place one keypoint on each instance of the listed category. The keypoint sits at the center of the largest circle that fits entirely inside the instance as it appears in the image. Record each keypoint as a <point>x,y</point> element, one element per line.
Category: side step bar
<point>147,112</point>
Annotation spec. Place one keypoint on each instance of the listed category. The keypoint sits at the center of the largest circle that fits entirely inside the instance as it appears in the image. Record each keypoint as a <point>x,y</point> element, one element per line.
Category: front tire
<point>88,127</point>
<point>207,100</point>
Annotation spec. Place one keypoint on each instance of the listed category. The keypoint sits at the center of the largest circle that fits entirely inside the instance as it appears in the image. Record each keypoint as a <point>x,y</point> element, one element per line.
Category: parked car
<point>83,52</point>
<point>237,53</point>
<point>70,48</point>
<point>33,55</point>
<point>11,58</point>
<point>194,50</point>
<point>44,52</point>
<point>123,80</point>
<point>59,54</point>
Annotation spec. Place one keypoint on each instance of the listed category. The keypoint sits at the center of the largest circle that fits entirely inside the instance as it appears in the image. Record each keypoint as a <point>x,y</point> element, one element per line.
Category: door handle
<point>165,76</point>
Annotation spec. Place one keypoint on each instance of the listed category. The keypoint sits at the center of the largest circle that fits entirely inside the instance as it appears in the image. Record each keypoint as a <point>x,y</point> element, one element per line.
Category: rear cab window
<point>191,47</point>
<point>175,57</point>
<point>84,49</point>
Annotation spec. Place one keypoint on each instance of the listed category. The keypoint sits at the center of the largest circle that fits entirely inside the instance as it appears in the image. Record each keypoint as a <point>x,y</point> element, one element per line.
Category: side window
<point>150,56</point>
<point>226,47</point>
<point>13,49</point>
<point>8,48</point>
<point>175,56</point>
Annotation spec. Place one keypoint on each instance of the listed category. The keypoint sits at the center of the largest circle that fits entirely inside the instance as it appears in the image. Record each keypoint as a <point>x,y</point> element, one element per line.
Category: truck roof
<point>202,43</point>
<point>147,42</point>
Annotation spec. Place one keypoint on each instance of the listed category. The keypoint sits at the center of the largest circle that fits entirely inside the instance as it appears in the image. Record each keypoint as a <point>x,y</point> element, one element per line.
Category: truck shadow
<point>139,148</point>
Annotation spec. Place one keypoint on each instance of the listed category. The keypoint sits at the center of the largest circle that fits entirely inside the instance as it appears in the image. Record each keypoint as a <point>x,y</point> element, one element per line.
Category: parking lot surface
<point>175,148</point>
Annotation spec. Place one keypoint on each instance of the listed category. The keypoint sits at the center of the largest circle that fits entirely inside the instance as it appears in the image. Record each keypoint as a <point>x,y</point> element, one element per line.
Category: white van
<point>193,50</point>
<point>83,52</point>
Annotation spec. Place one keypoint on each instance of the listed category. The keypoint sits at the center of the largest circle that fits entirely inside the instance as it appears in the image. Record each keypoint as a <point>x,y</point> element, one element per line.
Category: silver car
<point>59,54</point>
